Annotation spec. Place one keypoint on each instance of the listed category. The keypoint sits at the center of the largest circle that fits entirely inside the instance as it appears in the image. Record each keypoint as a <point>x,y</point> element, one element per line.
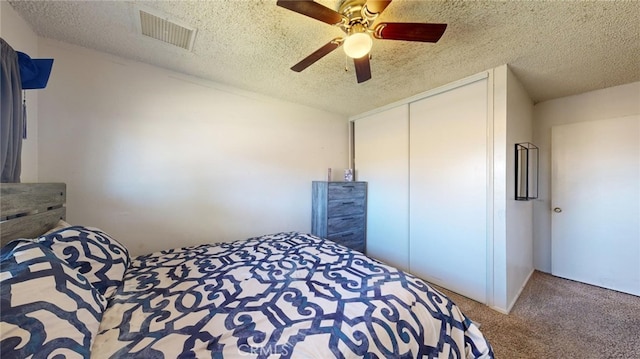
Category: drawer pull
<point>352,202</point>
<point>347,218</point>
<point>347,234</point>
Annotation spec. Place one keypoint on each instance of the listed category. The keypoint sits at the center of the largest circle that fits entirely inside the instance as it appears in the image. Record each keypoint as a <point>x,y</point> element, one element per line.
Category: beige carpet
<point>559,318</point>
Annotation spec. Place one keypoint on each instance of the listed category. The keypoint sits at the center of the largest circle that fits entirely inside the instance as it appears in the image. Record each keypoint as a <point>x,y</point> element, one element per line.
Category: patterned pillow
<point>49,310</point>
<point>93,253</point>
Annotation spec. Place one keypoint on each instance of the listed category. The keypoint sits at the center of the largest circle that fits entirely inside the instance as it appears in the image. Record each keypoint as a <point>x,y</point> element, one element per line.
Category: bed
<point>74,291</point>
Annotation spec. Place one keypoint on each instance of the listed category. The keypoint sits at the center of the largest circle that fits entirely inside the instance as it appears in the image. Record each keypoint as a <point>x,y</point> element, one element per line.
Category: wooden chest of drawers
<point>339,212</point>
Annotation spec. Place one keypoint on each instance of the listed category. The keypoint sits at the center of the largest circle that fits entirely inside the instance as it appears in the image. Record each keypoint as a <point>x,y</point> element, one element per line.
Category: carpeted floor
<point>559,318</point>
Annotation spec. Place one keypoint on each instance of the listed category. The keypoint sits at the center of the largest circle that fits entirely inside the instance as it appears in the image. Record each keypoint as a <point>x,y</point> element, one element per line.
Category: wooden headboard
<point>27,210</point>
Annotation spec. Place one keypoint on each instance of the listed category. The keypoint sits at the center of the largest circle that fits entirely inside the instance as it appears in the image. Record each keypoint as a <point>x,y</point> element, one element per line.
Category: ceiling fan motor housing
<point>355,12</point>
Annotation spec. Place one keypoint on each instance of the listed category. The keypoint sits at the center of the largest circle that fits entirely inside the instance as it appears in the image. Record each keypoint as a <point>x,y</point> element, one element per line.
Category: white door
<point>596,203</point>
<point>448,189</point>
<point>382,160</point>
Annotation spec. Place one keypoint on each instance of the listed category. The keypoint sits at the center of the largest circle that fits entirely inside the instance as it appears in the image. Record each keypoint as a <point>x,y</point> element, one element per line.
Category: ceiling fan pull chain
<point>346,63</point>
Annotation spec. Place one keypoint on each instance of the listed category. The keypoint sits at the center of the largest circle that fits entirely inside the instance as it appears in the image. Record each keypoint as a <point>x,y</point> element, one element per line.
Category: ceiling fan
<point>356,18</point>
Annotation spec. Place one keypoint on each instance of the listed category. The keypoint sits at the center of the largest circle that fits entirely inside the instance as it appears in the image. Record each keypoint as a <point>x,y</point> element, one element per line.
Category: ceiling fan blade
<point>312,9</point>
<point>409,31</point>
<point>317,55</point>
<point>377,6</point>
<point>363,68</point>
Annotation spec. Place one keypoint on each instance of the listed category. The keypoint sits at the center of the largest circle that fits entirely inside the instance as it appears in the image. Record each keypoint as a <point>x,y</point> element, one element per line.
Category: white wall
<point>512,220</point>
<point>160,160</point>
<point>519,213</point>
<point>611,102</point>
<point>17,33</point>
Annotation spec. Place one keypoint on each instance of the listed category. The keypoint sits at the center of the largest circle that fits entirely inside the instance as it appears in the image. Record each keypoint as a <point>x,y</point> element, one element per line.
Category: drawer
<point>345,207</point>
<point>345,224</point>
<point>351,239</point>
<point>346,190</point>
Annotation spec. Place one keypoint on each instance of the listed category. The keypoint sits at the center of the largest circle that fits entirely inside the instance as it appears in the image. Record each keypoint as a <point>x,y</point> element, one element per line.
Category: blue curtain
<point>12,121</point>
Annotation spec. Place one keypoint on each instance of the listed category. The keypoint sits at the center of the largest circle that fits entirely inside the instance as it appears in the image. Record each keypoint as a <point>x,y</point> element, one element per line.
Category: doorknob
<point>557,209</point>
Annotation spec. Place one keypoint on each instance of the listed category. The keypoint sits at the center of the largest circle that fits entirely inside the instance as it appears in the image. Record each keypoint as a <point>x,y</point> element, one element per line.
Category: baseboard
<point>515,299</point>
<point>498,309</point>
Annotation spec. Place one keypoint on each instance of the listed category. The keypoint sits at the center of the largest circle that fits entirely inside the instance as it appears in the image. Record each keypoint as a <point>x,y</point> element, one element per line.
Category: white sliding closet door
<point>382,159</point>
<point>448,189</point>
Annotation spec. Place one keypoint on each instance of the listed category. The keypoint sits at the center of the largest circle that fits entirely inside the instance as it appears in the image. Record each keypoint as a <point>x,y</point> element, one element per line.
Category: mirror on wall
<point>526,171</point>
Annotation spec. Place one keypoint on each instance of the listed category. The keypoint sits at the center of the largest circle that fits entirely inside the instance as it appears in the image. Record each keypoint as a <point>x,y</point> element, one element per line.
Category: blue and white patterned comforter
<point>287,295</point>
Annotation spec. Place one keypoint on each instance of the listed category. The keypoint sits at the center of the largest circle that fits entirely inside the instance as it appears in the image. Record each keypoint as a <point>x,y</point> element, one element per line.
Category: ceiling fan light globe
<point>357,45</point>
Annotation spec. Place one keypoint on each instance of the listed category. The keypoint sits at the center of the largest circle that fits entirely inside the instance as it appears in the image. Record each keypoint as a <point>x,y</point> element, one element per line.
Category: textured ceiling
<point>555,48</point>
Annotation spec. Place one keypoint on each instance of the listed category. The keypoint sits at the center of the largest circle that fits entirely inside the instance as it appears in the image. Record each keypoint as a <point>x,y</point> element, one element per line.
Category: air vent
<point>166,30</point>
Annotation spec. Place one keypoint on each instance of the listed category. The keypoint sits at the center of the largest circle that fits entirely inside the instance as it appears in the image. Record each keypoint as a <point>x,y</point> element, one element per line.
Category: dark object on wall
<point>34,73</point>
<point>526,171</point>
<point>12,120</point>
